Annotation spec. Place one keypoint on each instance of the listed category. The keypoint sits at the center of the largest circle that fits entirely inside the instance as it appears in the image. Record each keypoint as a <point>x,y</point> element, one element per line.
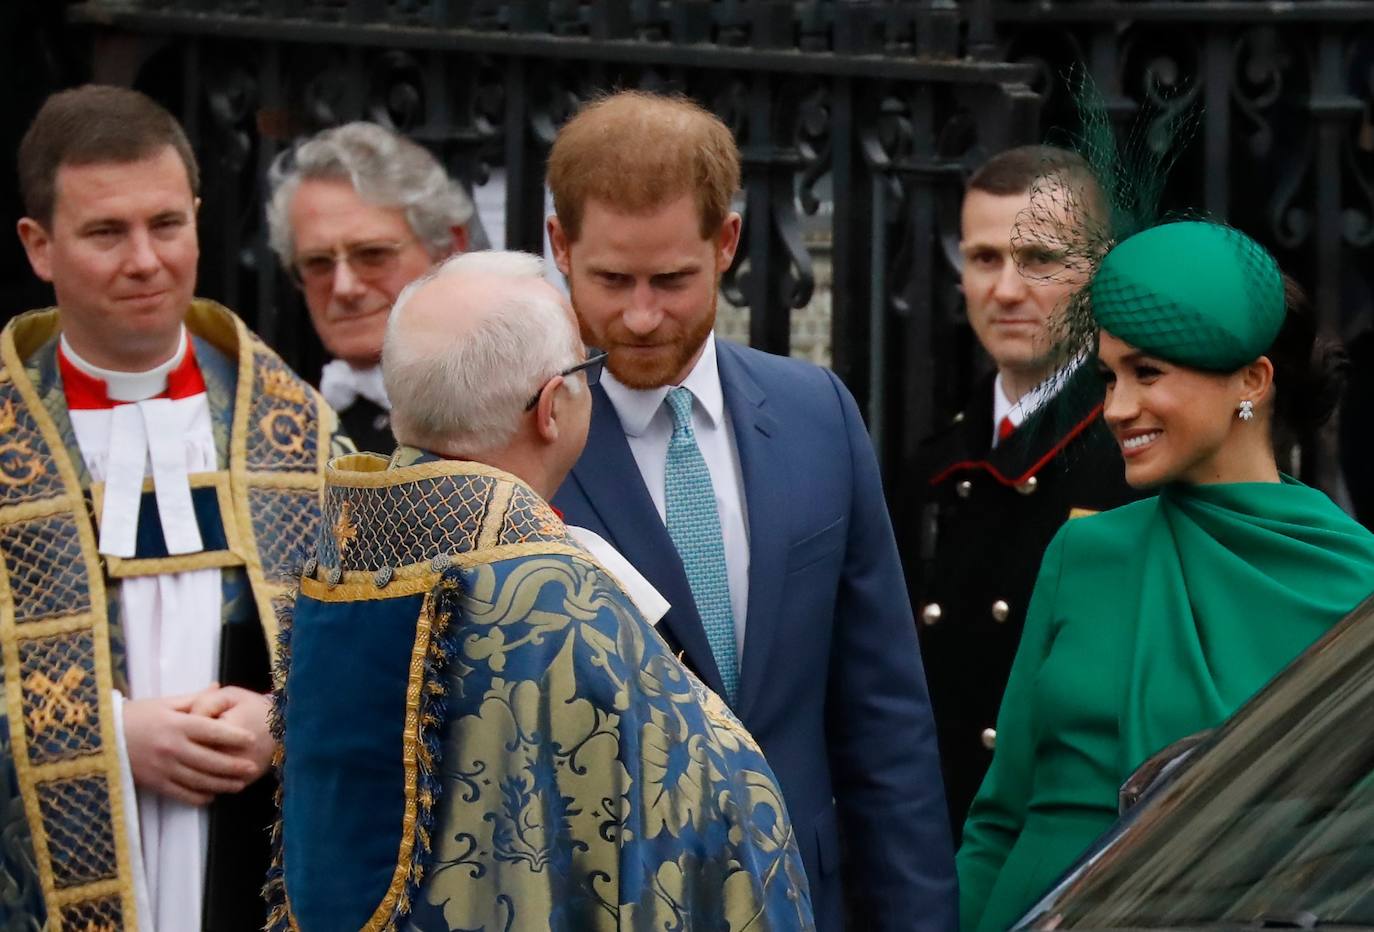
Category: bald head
<point>450,308</point>
<point>468,344</point>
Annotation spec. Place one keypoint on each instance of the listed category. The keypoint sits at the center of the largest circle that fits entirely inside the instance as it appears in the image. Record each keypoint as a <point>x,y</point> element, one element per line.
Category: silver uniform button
<point>1029,486</point>
<point>931,613</point>
<point>989,737</point>
<point>964,488</point>
<point>1000,610</point>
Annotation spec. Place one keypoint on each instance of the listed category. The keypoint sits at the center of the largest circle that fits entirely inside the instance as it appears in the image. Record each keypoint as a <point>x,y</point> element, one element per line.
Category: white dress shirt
<point>648,426</point>
<point>1022,407</point>
<point>341,384</point>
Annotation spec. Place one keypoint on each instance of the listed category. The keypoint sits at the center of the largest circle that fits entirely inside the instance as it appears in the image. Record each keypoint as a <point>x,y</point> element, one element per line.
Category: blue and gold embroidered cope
<point>60,640</point>
<point>479,731</point>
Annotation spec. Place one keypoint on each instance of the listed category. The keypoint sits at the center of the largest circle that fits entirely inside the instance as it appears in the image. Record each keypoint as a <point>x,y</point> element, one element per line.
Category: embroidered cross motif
<point>345,531</point>
<point>52,704</point>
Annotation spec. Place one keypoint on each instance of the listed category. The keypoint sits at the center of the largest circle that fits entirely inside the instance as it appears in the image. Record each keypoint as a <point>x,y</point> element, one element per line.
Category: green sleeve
<point>999,810</point>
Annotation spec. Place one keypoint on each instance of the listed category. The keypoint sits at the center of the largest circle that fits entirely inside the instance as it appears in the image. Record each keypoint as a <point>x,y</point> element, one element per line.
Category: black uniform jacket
<point>976,522</point>
<point>368,425</point>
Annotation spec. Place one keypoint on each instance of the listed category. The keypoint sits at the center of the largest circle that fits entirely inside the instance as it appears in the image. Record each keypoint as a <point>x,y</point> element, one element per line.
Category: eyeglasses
<point>592,365</point>
<point>367,261</point>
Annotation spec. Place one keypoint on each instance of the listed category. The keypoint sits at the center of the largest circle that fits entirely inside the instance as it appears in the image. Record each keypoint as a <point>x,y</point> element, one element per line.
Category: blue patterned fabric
<point>590,781</point>
<point>358,806</point>
<point>694,526</point>
<point>516,747</point>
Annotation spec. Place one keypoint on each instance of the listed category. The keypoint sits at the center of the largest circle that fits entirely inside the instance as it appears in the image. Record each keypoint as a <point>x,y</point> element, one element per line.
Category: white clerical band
<point>143,431</point>
<point>171,483</point>
<point>123,482</point>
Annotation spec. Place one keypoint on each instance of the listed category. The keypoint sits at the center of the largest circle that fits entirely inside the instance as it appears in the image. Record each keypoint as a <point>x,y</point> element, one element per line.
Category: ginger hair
<point>634,152</point>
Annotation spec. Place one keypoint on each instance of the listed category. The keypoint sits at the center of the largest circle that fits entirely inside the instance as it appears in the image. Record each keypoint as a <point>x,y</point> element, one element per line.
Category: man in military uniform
<point>357,212</point>
<point>988,491</point>
<point>158,468</point>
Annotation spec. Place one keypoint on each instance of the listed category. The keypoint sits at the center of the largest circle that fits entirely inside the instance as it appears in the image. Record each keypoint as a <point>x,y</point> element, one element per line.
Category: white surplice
<point>650,602</point>
<point>171,622</point>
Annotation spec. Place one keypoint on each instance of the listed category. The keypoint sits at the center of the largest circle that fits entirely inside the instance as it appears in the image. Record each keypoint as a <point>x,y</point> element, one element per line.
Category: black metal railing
<point>871,107</point>
<point>1284,141</point>
<point>873,110</point>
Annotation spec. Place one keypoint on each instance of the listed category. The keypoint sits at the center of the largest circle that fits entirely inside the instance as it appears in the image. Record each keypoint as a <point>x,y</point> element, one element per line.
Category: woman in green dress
<point>1156,620</point>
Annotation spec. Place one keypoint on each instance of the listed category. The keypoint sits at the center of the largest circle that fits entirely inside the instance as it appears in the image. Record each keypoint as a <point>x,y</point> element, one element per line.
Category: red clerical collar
<point>87,393</point>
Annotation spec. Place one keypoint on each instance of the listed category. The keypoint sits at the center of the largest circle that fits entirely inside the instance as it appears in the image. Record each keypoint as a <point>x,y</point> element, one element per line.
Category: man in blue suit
<point>744,487</point>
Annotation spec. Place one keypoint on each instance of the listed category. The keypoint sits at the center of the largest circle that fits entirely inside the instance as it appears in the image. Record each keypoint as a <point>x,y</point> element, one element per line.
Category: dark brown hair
<point>1015,171</point>
<point>636,151</point>
<point>89,125</point>
<point>1309,368</point>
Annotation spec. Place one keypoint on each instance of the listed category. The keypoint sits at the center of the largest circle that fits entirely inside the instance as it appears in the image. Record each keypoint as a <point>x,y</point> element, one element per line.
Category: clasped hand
<point>193,747</point>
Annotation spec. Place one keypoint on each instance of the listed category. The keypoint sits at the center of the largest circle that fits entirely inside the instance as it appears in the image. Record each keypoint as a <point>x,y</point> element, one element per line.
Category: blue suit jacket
<point>831,682</point>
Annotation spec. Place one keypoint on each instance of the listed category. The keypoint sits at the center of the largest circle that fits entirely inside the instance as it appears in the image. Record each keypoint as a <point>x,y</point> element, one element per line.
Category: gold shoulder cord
<point>56,651</point>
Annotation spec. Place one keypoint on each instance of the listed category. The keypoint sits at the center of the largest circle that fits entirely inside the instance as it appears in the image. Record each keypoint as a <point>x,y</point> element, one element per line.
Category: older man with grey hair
<point>513,746</point>
<point>356,213</point>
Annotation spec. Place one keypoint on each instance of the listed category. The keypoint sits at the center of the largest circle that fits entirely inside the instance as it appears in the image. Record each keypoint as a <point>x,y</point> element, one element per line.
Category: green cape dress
<point>1148,623</point>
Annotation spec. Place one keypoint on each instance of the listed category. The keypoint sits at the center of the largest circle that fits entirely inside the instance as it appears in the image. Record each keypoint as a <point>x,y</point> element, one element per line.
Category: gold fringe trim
<point>410,750</point>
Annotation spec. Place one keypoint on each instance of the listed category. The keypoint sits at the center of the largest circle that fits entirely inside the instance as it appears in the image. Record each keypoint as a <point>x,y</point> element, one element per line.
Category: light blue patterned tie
<point>694,526</point>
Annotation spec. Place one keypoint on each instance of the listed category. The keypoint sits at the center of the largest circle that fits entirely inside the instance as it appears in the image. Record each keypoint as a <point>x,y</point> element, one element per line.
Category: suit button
<point>989,737</point>
<point>1029,486</point>
<point>964,489</point>
<point>931,613</point>
<point>1000,611</point>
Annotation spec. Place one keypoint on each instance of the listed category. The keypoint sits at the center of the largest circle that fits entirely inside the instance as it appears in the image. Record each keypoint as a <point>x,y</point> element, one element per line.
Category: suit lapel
<point>764,468</point>
<point>609,477</point>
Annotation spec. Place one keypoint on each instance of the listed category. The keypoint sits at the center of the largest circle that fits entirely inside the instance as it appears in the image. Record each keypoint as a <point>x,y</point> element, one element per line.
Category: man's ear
<point>727,241</point>
<point>549,409</point>
<point>36,241</point>
<point>460,242</point>
<point>561,246</point>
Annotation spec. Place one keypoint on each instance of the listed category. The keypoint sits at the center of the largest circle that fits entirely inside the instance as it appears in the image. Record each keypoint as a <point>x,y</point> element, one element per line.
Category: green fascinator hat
<point>1197,294</point>
<point>1190,291</point>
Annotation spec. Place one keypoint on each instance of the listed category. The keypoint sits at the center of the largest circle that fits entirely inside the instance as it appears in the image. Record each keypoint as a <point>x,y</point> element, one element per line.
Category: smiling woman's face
<point>1172,423</point>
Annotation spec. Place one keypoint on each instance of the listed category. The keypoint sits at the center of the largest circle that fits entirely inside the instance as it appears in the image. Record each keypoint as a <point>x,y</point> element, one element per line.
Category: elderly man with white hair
<point>356,213</point>
<point>479,728</point>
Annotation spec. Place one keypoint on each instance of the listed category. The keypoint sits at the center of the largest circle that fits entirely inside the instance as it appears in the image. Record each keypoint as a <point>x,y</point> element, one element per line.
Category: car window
<point>1271,818</point>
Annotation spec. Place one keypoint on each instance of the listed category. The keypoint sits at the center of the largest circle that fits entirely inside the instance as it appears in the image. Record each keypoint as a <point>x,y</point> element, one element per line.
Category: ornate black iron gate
<point>867,107</point>
<point>864,113</point>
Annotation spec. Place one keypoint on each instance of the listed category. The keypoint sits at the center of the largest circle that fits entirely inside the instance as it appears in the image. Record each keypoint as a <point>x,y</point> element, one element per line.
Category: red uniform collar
<point>87,393</point>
